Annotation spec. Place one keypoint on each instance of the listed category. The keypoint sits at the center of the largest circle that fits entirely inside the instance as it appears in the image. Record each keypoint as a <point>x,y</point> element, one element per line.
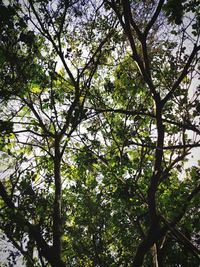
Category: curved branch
<point>182,75</point>
<point>154,18</point>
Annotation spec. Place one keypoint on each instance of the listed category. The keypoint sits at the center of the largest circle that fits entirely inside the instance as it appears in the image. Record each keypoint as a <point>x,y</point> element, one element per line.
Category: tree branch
<point>154,18</point>
<point>149,114</point>
<point>32,230</point>
<point>182,238</point>
<point>182,75</point>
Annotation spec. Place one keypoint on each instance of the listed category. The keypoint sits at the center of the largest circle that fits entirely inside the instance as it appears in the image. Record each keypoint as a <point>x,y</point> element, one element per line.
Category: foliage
<point>99,114</point>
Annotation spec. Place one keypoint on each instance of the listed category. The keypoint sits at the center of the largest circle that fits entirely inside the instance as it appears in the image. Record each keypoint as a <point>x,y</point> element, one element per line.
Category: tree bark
<point>57,222</point>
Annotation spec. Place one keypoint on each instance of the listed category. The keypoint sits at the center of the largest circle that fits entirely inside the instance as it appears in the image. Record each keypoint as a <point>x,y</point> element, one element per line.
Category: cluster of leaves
<point>100,130</point>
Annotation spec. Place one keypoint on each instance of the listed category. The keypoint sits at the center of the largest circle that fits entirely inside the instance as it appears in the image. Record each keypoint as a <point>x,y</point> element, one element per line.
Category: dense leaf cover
<point>99,114</point>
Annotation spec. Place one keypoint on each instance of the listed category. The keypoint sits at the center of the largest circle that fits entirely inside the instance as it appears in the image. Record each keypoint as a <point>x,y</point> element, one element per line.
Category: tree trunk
<point>57,222</point>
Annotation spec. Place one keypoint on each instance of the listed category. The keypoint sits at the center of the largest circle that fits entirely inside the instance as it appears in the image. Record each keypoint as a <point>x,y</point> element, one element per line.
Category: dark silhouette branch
<point>154,18</point>
<point>149,114</point>
<point>182,75</point>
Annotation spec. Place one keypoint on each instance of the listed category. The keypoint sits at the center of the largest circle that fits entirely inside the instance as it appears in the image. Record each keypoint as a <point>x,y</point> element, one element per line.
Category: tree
<point>99,115</point>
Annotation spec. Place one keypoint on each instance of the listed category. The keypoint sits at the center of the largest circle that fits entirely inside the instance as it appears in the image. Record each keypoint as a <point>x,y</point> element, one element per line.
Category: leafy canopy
<point>99,114</point>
